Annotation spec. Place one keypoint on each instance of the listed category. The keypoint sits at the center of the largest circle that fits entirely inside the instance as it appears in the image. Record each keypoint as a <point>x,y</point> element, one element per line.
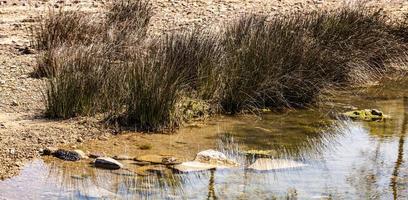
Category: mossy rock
<point>190,109</point>
<point>366,115</point>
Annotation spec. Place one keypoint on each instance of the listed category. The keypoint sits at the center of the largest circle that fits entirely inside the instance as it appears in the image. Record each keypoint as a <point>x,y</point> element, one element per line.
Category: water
<point>345,159</point>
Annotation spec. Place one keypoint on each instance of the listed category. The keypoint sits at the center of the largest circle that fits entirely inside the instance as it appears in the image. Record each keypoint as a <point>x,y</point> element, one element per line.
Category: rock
<point>365,115</point>
<point>14,103</point>
<point>141,163</point>
<point>195,166</point>
<point>260,153</point>
<point>122,157</point>
<point>80,177</point>
<point>80,140</point>
<point>107,163</point>
<point>124,173</point>
<point>170,161</point>
<point>145,170</point>
<point>266,164</point>
<point>206,160</point>
<point>95,192</point>
<point>214,157</point>
<point>81,154</point>
<point>25,50</point>
<point>67,155</point>
<point>155,159</point>
<point>96,155</point>
<point>49,151</point>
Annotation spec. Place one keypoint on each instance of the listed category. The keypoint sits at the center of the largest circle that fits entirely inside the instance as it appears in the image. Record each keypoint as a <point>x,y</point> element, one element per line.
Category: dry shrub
<point>287,61</point>
<point>154,89</point>
<point>255,62</point>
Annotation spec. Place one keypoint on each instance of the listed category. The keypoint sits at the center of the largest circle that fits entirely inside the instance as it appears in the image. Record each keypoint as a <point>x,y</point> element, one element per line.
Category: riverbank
<point>22,129</point>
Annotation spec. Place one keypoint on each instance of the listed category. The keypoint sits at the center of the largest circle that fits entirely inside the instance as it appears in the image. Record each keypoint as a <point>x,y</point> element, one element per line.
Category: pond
<point>342,159</point>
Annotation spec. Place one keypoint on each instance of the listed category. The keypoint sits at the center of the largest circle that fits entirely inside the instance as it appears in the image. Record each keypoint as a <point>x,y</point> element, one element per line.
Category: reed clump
<point>252,63</point>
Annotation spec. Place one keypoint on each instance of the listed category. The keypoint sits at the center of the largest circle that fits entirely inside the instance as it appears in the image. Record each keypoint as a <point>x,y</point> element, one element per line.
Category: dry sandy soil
<point>23,130</point>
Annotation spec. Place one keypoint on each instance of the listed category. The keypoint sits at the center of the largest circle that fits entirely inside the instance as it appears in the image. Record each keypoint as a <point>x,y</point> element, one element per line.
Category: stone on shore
<point>67,155</point>
<point>107,163</point>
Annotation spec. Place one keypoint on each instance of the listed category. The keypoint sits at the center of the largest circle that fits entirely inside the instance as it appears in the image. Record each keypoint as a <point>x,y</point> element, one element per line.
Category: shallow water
<point>344,159</point>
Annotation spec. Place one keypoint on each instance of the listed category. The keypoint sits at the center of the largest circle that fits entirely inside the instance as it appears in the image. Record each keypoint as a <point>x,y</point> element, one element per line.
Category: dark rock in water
<point>67,155</point>
<point>376,112</point>
<point>107,163</point>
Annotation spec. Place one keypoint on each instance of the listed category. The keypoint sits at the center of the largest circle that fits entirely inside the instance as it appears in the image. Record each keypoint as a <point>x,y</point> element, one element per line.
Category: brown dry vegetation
<point>258,61</point>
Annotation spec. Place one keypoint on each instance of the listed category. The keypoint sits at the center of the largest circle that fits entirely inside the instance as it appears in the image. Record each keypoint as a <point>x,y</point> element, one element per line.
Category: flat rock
<point>144,170</point>
<point>260,153</point>
<point>157,159</point>
<point>95,192</point>
<point>122,157</point>
<point>193,166</point>
<point>214,157</point>
<point>266,164</point>
<point>107,163</point>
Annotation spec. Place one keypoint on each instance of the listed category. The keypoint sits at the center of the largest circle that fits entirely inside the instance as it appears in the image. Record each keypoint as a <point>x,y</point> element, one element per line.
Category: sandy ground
<point>23,130</point>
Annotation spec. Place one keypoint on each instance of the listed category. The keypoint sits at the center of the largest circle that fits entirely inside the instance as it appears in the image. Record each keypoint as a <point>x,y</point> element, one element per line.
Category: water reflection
<point>400,157</point>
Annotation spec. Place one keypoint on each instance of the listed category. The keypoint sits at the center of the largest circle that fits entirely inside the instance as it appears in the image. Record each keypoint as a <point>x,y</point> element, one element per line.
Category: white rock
<point>214,157</point>
<point>107,163</point>
<point>266,164</point>
<point>193,166</point>
<point>81,154</point>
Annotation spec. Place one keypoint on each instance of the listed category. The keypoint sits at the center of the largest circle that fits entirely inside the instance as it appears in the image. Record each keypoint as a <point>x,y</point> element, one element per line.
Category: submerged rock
<point>145,170</point>
<point>80,177</point>
<point>193,166</point>
<point>260,153</point>
<point>67,155</point>
<point>214,157</point>
<point>95,192</point>
<point>107,163</point>
<point>266,164</point>
<point>206,160</point>
<point>365,115</point>
<point>122,157</point>
<point>170,161</point>
<point>158,159</point>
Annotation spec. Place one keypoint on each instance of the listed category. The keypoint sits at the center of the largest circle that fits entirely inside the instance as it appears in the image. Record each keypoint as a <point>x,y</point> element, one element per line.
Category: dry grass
<point>256,62</point>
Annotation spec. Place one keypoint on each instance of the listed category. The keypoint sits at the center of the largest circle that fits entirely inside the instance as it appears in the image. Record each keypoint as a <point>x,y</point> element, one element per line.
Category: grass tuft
<point>258,61</point>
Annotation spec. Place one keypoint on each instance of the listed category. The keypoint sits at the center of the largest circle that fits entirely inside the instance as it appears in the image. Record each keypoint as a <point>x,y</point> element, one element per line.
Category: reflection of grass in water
<point>291,134</point>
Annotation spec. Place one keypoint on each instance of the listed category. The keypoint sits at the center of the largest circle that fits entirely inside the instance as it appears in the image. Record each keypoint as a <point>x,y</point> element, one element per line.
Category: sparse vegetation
<point>256,62</point>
